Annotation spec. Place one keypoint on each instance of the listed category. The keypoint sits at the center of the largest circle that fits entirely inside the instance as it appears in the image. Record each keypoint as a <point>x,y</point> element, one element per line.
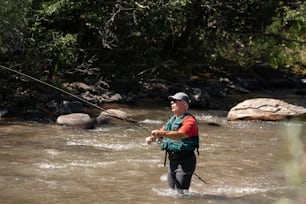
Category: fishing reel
<point>159,140</point>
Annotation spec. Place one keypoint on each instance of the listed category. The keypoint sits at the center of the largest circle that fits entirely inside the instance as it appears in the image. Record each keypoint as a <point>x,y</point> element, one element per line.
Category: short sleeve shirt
<point>189,126</point>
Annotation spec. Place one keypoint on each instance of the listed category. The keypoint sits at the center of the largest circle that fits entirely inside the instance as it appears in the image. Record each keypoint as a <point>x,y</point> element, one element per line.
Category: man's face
<point>178,106</point>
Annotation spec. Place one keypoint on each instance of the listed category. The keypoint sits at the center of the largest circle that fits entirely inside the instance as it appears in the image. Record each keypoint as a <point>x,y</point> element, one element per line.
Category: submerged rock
<point>113,115</point>
<point>265,109</point>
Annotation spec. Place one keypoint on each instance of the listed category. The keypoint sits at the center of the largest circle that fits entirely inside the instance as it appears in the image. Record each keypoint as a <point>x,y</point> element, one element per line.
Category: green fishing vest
<point>190,143</point>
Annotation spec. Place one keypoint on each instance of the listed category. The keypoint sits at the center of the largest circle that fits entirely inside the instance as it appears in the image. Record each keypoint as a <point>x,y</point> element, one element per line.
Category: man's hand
<point>157,133</point>
<point>149,140</point>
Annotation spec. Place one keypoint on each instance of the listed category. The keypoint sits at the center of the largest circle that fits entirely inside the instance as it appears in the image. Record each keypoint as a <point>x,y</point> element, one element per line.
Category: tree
<point>13,23</point>
<point>90,39</point>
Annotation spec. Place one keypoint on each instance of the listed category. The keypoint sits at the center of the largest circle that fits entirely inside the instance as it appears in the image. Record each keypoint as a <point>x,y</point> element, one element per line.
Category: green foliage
<point>150,38</point>
<point>51,52</point>
<point>12,24</point>
<point>52,7</point>
<point>50,49</point>
<point>283,44</point>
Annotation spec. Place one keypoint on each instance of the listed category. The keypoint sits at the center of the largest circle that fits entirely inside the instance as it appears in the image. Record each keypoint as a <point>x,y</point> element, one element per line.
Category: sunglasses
<point>175,100</point>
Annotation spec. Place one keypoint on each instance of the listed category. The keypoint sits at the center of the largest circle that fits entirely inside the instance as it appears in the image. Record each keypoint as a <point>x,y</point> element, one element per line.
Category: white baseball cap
<point>180,96</point>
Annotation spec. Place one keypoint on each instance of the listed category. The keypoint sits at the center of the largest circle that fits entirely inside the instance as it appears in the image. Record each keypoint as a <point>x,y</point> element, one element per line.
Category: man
<point>179,139</point>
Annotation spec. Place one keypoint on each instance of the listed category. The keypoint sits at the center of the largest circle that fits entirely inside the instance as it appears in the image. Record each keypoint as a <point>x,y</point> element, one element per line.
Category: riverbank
<point>35,101</point>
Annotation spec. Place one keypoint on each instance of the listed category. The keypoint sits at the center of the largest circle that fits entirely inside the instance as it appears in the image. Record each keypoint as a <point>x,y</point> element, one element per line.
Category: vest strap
<point>165,159</point>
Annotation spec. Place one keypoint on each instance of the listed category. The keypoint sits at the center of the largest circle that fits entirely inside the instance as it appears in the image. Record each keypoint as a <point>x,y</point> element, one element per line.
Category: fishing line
<point>85,101</point>
<point>79,98</point>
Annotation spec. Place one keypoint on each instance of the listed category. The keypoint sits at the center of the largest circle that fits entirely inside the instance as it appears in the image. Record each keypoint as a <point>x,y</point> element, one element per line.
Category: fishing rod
<point>87,102</point>
<point>77,97</point>
<point>199,177</point>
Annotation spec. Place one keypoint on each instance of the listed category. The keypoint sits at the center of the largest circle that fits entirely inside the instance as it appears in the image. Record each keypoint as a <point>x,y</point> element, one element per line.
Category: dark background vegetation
<point>100,42</point>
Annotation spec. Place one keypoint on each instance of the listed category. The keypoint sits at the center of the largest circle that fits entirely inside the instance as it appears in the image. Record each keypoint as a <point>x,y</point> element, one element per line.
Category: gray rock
<point>265,109</point>
<point>3,112</point>
<point>111,115</point>
<point>81,120</point>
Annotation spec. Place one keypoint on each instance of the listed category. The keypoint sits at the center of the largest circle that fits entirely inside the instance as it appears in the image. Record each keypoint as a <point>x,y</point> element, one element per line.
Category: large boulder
<point>265,109</point>
<point>81,120</point>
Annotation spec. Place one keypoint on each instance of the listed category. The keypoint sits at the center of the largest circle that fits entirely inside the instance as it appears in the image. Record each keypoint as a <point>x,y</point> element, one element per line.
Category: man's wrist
<point>158,134</point>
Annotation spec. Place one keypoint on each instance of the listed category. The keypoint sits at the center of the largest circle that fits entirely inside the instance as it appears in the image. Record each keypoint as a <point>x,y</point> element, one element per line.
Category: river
<point>243,162</point>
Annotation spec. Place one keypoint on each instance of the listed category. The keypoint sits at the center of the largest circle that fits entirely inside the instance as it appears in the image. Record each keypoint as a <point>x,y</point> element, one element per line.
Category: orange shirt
<point>189,126</point>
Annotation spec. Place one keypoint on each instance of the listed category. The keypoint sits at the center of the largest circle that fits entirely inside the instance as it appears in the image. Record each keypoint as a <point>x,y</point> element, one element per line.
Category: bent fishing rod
<point>77,97</point>
<point>85,101</point>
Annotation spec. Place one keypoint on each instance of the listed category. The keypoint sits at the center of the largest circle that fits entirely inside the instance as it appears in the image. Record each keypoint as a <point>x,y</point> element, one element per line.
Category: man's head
<point>181,96</point>
<point>179,103</point>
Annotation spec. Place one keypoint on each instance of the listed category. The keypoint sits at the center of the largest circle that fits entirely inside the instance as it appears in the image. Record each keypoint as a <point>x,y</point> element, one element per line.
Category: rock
<point>199,98</point>
<point>265,109</point>
<point>116,97</point>
<point>3,113</point>
<point>112,115</point>
<point>71,107</point>
<point>81,120</point>
<point>79,86</point>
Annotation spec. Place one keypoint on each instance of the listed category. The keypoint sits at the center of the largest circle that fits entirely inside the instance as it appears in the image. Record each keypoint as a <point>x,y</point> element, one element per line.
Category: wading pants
<point>181,169</point>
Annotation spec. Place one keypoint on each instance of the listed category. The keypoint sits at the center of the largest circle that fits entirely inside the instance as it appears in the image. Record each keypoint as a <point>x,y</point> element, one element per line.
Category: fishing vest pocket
<point>176,126</point>
<point>176,147</point>
<point>164,145</point>
<point>172,146</point>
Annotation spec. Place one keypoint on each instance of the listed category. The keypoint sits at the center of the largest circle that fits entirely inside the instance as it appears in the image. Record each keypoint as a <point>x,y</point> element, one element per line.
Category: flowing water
<point>242,162</point>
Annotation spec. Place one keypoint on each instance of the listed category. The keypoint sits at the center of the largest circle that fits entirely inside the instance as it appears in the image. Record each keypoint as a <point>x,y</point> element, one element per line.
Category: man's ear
<point>186,104</point>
